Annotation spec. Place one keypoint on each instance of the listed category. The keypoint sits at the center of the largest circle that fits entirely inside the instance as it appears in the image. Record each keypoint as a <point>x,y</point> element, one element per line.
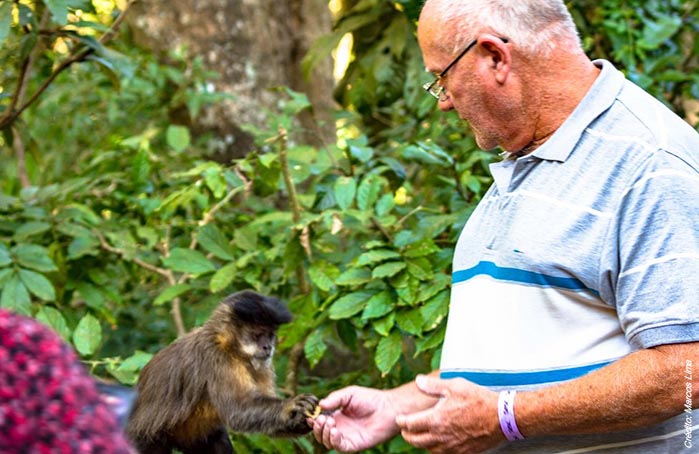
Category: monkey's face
<point>258,342</point>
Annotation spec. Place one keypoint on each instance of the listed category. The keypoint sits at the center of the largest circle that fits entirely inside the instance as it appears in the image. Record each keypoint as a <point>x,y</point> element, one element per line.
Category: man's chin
<point>485,143</point>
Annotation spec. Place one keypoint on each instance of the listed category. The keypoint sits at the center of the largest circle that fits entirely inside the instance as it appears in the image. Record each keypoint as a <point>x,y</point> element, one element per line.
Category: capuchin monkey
<point>218,377</point>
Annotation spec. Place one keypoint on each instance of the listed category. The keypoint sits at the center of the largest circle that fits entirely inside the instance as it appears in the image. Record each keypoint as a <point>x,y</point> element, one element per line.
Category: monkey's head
<point>255,319</point>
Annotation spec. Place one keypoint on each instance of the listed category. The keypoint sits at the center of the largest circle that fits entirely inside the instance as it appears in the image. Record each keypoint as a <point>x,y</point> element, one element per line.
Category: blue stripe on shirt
<point>522,378</point>
<point>518,275</point>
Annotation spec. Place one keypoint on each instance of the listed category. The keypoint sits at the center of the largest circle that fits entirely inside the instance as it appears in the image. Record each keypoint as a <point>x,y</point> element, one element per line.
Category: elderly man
<point>574,316</point>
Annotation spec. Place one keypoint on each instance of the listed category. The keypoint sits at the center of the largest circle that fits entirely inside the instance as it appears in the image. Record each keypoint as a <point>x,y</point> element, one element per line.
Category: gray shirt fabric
<point>580,253</point>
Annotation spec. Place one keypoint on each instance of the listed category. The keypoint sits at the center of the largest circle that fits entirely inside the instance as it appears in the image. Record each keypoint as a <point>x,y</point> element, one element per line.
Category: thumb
<point>432,386</point>
<point>336,399</point>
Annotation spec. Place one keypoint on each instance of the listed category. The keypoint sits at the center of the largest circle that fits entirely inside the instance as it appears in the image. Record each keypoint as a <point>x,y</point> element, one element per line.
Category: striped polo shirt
<point>580,253</point>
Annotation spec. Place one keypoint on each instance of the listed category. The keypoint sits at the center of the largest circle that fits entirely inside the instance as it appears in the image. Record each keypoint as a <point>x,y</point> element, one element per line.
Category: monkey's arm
<point>269,415</point>
<point>248,403</point>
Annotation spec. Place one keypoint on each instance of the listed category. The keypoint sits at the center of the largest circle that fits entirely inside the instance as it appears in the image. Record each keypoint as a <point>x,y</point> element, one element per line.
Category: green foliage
<point>124,232</point>
<point>653,41</point>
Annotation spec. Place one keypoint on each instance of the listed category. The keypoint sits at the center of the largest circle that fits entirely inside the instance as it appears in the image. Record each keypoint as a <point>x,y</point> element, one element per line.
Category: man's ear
<point>499,54</point>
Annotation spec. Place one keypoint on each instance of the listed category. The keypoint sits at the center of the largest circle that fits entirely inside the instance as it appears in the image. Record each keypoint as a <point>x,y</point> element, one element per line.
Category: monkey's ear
<point>256,309</point>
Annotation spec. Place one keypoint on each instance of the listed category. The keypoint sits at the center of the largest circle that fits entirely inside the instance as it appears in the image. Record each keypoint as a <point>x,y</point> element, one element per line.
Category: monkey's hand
<point>295,413</point>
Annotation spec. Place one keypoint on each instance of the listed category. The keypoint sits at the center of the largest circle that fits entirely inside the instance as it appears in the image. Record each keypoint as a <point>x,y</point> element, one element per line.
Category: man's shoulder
<point>650,122</point>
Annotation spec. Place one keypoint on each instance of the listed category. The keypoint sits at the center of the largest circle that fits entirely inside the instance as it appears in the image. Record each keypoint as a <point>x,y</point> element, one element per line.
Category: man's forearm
<point>642,389</point>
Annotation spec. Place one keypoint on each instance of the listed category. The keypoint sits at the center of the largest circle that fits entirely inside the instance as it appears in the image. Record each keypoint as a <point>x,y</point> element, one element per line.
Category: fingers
<point>326,433</point>
<point>420,429</point>
<point>423,421</point>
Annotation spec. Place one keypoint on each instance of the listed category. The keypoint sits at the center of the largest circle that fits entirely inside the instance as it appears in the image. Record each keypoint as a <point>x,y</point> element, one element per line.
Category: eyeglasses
<point>437,90</point>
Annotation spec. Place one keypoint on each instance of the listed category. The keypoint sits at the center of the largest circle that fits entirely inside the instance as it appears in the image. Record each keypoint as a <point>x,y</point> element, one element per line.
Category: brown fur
<point>204,382</point>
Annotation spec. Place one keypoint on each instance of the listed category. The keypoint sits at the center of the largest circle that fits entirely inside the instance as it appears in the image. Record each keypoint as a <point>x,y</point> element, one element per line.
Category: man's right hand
<point>355,418</point>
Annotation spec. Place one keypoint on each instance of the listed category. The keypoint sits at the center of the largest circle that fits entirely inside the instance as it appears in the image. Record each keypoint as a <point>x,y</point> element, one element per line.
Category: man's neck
<point>556,93</point>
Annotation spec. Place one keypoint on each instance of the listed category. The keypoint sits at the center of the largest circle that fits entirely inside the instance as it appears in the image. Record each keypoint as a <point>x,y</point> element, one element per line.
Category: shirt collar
<point>599,98</point>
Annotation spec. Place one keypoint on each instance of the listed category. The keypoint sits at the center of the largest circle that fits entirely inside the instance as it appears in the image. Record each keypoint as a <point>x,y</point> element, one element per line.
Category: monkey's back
<point>172,388</point>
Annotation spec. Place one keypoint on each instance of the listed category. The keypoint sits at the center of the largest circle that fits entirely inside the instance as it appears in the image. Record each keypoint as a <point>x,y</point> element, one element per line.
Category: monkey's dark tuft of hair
<point>251,307</point>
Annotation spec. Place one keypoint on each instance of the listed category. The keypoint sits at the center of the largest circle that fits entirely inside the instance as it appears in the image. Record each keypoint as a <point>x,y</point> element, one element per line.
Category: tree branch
<point>13,112</point>
<point>167,274</point>
<point>20,153</point>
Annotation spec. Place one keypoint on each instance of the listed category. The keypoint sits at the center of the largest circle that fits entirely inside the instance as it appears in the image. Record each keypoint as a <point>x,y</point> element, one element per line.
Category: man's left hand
<point>464,421</point>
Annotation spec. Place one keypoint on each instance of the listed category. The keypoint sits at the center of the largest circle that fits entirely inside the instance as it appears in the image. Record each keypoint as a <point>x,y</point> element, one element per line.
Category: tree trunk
<point>254,45</point>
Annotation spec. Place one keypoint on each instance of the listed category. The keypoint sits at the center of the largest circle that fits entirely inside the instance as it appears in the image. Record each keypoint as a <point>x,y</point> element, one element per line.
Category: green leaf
<point>223,277</point>
<point>141,167</point>
<point>377,255</point>
<point>368,192</point>
<point>246,238</point>
<point>378,305</point>
<point>79,212</point>
<point>5,19</point>
<point>384,325</point>
<point>88,335</point>
<point>59,10</point>
<point>5,275</point>
<point>657,32</point>
<point>388,352</point>
<point>439,283</point>
<point>53,318</point>
<point>37,284</point>
<point>82,246</point>
<point>178,138</point>
<point>420,268</point>
<point>349,305</point>
<point>216,181</point>
<point>361,153</point>
<point>314,348</point>
<point>213,240</point>
<point>419,154</point>
<point>28,43</point>
<point>385,205</point>
<point>323,275</point>
<point>435,310</point>
<point>171,293</point>
<point>268,159</point>
<point>188,261</point>
<point>5,257</point>
<point>34,257</point>
<point>135,362</point>
<point>354,276</point>
<point>119,65</point>
<point>299,101</point>
<point>430,341</point>
<point>421,249</point>
<point>320,50</point>
<point>388,270</point>
<point>345,189</point>
<point>410,321</point>
<point>15,296</point>
<point>91,294</point>
<point>107,68</point>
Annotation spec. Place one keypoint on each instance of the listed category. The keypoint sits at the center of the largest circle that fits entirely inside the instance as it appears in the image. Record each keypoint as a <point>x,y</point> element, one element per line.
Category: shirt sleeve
<point>654,255</point>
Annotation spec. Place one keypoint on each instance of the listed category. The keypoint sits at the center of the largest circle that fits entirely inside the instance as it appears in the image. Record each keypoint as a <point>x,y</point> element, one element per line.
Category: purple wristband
<point>506,415</point>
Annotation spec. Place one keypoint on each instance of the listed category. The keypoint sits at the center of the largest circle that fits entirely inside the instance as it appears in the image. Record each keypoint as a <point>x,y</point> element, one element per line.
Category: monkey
<point>219,376</point>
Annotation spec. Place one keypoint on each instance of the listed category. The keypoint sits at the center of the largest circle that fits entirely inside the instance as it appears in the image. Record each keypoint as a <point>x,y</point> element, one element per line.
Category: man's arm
<point>641,389</point>
<point>644,388</point>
